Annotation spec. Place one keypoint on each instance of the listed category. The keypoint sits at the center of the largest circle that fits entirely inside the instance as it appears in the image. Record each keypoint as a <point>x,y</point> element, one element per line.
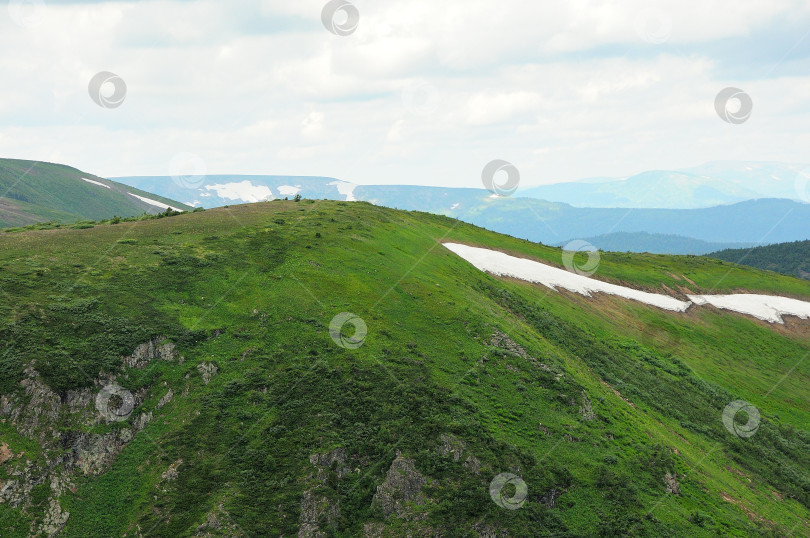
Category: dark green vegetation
<point>786,258</point>
<point>610,411</point>
<point>32,191</point>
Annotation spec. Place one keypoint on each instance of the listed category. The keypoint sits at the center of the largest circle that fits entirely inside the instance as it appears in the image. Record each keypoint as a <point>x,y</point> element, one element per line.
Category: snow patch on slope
<point>768,308</point>
<point>155,202</point>
<point>765,307</point>
<point>502,264</point>
<point>100,184</point>
<point>244,191</point>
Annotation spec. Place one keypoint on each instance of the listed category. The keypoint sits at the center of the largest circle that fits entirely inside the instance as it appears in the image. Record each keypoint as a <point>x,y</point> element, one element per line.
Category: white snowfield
<point>243,190</point>
<point>155,202</point>
<point>765,307</point>
<point>346,189</point>
<point>100,184</point>
<point>289,190</point>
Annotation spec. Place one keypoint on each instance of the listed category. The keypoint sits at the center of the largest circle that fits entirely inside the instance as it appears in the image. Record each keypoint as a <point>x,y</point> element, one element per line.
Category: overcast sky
<point>422,92</point>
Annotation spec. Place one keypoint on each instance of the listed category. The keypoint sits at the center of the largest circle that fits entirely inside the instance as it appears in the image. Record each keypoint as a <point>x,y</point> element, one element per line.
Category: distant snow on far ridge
<point>100,184</point>
<point>346,189</point>
<point>287,190</point>
<point>243,190</point>
<point>155,202</point>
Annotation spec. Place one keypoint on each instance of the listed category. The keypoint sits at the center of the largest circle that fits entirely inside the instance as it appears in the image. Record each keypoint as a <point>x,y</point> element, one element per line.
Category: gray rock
<point>402,486</point>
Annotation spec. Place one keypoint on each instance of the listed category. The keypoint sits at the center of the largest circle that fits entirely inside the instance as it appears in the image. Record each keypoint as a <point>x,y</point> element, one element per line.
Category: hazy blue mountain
<point>711,184</point>
<point>657,243</point>
<point>752,222</point>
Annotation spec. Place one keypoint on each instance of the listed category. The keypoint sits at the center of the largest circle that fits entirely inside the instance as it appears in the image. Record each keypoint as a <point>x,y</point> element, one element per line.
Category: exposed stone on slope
<point>165,399</point>
<point>55,518</point>
<point>219,523</point>
<point>503,341</point>
<point>149,351</point>
<point>5,453</point>
<point>451,446</point>
<point>208,370</point>
<point>56,422</point>
<point>327,461</point>
<point>671,481</point>
<point>316,510</point>
<point>456,448</point>
<point>402,486</point>
<point>586,409</point>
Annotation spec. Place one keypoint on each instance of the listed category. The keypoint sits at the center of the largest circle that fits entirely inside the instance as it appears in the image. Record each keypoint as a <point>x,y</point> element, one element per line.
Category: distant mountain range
<point>32,191</point>
<point>716,183</point>
<point>786,258</point>
<point>658,243</point>
<point>752,222</point>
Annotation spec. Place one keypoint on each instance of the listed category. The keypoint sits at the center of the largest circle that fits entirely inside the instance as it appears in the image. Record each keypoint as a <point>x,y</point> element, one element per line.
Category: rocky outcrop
<point>207,370</point>
<point>5,453</point>
<point>59,423</point>
<point>332,460</point>
<point>317,508</point>
<point>453,447</point>
<point>671,481</point>
<point>168,397</point>
<point>503,341</point>
<point>586,409</point>
<point>218,522</point>
<point>401,489</point>
<point>155,349</point>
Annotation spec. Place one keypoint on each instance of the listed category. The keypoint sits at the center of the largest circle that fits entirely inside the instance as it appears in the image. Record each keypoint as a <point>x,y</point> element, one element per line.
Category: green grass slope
<point>259,423</point>
<point>32,191</point>
<point>786,258</point>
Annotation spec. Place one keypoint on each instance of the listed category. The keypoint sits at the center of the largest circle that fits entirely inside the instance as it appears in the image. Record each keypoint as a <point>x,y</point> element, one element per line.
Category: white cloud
<point>561,89</point>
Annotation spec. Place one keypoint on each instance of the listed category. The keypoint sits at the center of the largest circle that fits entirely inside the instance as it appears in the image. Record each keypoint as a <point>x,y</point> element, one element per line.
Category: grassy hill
<point>32,191</point>
<point>786,258</point>
<point>241,414</point>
